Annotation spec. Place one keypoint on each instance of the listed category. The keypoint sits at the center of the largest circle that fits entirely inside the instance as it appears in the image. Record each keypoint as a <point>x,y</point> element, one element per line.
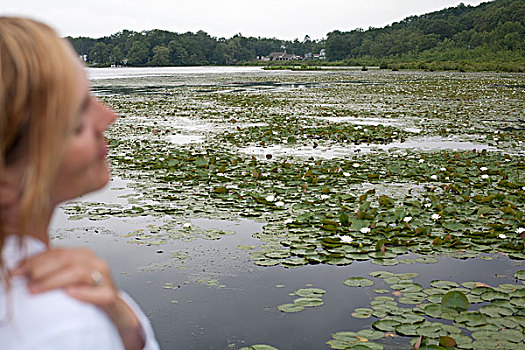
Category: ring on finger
<point>96,276</point>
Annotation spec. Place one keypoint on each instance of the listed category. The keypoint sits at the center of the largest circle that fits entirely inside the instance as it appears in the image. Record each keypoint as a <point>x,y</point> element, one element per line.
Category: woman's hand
<point>77,270</point>
<point>85,277</point>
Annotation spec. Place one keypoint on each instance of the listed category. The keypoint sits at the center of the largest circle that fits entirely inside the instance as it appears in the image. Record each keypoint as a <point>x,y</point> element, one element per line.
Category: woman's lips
<point>103,152</point>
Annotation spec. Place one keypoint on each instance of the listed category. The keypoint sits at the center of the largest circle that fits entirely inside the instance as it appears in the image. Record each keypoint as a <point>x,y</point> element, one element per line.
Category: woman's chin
<point>104,180</point>
<point>95,186</point>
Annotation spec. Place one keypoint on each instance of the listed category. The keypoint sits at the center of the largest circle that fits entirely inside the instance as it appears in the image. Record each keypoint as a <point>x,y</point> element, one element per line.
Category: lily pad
<point>471,318</point>
<point>290,308</point>
<point>370,334</point>
<point>358,282</point>
<point>365,346</point>
<point>444,284</point>
<point>362,313</point>
<point>520,275</point>
<point>455,300</point>
<point>386,325</point>
<point>259,347</point>
<point>310,292</point>
<point>308,302</point>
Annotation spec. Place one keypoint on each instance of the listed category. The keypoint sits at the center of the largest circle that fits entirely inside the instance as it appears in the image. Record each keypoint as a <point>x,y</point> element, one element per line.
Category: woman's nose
<point>106,116</point>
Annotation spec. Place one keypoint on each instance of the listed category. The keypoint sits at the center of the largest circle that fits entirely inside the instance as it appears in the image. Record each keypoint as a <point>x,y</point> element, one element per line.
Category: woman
<point>52,149</point>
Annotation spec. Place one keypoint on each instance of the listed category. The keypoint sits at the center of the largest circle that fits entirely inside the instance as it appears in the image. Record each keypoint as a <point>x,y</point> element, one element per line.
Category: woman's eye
<point>83,109</point>
<point>79,128</point>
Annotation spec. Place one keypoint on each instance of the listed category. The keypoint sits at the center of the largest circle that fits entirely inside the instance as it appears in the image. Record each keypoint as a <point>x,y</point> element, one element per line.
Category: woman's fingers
<point>41,265</point>
<point>38,265</point>
<point>60,278</point>
<point>61,268</point>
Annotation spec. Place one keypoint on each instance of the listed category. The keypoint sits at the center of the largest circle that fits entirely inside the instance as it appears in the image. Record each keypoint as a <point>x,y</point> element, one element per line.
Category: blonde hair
<point>37,83</point>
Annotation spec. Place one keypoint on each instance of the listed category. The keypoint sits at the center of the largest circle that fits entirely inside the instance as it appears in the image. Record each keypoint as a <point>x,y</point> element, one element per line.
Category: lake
<point>296,209</point>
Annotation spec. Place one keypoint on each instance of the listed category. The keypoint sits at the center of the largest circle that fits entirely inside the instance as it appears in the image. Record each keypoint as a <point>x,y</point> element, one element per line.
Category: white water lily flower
<point>346,239</point>
<point>364,229</point>
<point>421,160</point>
<point>346,174</point>
<point>447,178</point>
<point>520,230</point>
<point>186,225</point>
<point>270,198</point>
<point>428,205</point>
<point>502,236</point>
<point>279,204</point>
<point>407,219</point>
<point>443,169</point>
<point>356,165</point>
<point>484,176</point>
<point>434,177</point>
<point>483,168</point>
<point>435,216</point>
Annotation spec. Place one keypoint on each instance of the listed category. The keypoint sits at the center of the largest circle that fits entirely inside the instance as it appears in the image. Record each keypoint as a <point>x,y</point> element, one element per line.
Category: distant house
<point>283,56</point>
<point>320,56</point>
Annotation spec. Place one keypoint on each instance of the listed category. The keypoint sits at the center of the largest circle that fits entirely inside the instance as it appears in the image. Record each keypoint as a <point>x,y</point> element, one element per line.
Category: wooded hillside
<point>491,31</point>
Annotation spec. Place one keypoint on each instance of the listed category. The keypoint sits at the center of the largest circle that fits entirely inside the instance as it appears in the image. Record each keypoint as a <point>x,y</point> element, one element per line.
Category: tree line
<point>490,31</point>
<point>164,48</point>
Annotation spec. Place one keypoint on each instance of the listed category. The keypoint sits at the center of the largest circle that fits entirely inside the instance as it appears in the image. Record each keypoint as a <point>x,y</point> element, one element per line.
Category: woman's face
<point>84,167</point>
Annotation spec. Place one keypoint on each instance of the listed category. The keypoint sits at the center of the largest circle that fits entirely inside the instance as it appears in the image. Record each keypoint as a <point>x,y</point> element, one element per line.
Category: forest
<point>490,36</point>
<point>163,48</point>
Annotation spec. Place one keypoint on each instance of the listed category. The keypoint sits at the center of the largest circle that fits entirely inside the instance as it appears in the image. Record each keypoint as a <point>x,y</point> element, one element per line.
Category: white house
<point>283,56</point>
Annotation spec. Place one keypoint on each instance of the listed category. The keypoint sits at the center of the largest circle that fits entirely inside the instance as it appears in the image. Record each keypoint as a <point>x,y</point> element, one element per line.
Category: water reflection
<point>331,152</point>
<point>137,72</point>
<point>402,124</point>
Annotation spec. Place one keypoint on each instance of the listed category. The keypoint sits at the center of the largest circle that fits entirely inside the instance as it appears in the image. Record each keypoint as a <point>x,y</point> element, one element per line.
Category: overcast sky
<point>282,19</point>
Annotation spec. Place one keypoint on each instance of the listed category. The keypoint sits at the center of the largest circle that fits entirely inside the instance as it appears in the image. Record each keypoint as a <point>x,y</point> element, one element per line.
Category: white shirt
<point>53,320</point>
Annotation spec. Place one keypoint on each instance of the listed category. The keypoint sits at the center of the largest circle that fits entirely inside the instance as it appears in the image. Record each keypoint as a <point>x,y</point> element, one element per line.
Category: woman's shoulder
<point>52,320</point>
